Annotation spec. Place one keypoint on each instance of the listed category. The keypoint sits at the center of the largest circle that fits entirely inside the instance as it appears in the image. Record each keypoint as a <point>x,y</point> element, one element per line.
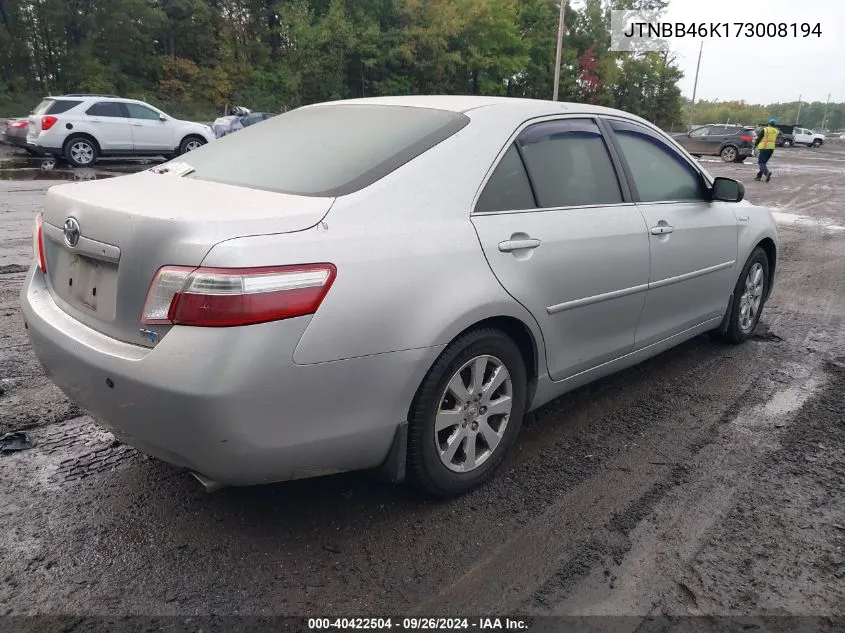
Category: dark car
<point>16,132</point>
<point>733,143</point>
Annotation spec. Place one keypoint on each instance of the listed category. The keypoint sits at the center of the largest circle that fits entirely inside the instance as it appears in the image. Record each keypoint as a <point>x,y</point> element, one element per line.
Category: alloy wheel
<point>192,145</point>
<point>752,297</point>
<point>473,413</point>
<point>82,152</point>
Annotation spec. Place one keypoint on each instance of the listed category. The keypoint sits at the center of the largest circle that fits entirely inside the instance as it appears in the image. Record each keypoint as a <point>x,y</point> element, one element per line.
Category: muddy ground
<point>707,481</point>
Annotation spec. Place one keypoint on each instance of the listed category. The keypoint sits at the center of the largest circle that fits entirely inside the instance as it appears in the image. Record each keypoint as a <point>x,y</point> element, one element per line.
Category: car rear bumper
<point>41,150</point>
<point>229,403</point>
<point>745,151</point>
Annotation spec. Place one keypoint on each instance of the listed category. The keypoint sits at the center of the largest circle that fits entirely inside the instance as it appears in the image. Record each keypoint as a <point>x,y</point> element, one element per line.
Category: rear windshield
<point>55,106</point>
<point>324,150</point>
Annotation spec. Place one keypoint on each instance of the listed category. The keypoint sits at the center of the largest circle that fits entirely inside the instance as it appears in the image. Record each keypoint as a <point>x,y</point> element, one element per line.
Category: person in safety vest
<point>766,141</point>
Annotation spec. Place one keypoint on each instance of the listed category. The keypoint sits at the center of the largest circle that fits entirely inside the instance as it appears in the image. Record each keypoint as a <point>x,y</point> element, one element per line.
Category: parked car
<point>395,289</point>
<point>238,121</point>
<point>733,143</point>
<point>805,136</point>
<point>15,134</point>
<point>82,128</point>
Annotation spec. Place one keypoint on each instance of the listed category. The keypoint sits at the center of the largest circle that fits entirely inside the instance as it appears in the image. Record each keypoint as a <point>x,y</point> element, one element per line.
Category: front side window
<point>137,111</point>
<point>568,164</point>
<point>106,109</point>
<point>660,173</point>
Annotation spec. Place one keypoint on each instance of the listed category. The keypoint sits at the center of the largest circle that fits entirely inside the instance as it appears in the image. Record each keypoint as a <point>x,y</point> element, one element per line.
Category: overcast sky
<point>763,70</point>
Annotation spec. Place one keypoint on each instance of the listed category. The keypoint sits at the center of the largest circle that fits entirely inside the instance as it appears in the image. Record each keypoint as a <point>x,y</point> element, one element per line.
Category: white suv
<point>81,128</point>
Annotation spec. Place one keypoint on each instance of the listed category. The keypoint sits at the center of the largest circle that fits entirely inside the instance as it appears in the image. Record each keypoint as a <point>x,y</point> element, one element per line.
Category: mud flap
<point>726,320</point>
<point>393,468</point>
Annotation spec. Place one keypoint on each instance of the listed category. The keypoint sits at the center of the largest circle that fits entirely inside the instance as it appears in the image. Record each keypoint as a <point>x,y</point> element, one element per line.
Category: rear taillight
<point>747,139</point>
<point>38,243</point>
<point>19,124</point>
<point>223,297</point>
<point>47,122</point>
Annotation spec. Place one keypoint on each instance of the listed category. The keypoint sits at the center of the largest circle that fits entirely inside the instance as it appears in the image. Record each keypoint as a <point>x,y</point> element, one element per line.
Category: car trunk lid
<point>105,240</point>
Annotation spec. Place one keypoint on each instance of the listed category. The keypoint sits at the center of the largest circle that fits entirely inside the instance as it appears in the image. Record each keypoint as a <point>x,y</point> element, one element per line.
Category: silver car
<point>394,288</point>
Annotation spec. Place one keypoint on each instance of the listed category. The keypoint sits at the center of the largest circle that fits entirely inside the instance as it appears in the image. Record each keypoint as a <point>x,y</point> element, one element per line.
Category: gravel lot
<point>707,481</point>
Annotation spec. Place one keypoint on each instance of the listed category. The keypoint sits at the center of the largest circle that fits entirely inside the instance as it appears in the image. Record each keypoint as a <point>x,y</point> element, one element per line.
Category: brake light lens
<point>38,243</point>
<point>747,139</point>
<point>18,124</point>
<point>47,122</point>
<point>226,297</point>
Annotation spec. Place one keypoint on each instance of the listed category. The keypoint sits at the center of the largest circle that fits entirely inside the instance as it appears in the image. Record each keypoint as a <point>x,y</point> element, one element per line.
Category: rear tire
<point>466,414</point>
<point>81,151</point>
<point>749,298</point>
<point>729,154</point>
<point>787,143</point>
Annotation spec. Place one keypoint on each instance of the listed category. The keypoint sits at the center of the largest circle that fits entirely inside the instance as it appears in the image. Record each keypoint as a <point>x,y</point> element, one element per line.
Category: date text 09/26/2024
<point>417,624</point>
<point>721,30</point>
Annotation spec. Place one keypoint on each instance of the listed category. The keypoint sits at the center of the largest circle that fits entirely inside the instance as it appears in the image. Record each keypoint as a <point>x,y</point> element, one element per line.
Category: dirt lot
<point>707,481</point>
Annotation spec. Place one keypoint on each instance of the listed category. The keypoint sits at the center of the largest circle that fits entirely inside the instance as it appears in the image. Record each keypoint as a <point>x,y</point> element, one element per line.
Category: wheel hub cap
<point>473,413</point>
<point>751,298</point>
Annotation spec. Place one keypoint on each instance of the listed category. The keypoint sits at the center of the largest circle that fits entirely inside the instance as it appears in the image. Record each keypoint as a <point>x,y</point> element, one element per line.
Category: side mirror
<point>161,117</point>
<point>727,190</point>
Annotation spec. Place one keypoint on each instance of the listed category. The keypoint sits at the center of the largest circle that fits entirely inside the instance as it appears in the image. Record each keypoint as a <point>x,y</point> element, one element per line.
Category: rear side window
<point>660,172</point>
<point>569,164</point>
<point>328,150</point>
<point>508,188</point>
<point>55,106</point>
<point>107,108</point>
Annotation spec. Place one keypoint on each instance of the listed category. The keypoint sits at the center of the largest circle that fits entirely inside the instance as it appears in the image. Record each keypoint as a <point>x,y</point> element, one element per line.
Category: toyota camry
<point>384,283</point>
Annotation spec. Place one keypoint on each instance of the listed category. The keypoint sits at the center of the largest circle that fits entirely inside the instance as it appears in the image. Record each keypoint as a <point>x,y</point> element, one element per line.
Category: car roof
<point>466,103</point>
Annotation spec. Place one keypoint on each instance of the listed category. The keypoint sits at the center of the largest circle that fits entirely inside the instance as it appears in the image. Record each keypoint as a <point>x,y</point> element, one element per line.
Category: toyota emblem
<point>71,232</point>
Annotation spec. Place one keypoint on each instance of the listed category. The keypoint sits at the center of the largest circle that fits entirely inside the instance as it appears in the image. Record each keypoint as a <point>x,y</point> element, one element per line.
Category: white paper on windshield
<point>173,169</point>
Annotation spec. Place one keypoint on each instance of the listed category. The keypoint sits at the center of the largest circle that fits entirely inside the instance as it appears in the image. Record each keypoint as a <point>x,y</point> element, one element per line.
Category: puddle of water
<point>793,219</point>
<point>71,175</point>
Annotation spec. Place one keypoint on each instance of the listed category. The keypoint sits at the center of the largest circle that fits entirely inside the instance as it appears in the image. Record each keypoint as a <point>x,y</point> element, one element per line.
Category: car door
<point>714,138</point>
<point>693,240</point>
<point>563,238</point>
<point>149,132</point>
<point>111,126</point>
<point>696,141</point>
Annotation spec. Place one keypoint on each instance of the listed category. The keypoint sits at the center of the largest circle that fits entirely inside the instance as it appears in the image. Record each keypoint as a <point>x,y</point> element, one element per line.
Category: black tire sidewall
<point>73,139</point>
<point>184,144</point>
<point>425,467</point>
<point>729,148</point>
<point>735,333</point>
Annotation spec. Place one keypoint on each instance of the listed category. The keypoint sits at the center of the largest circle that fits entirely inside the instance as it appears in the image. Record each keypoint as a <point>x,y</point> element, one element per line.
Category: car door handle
<point>508,246</point>
<point>137,125</point>
<point>662,229</point>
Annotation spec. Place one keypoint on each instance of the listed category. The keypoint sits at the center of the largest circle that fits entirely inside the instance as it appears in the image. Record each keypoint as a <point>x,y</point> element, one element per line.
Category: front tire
<point>749,298</point>
<point>81,151</point>
<point>816,143</point>
<point>466,414</point>
<point>190,143</point>
<point>729,154</point>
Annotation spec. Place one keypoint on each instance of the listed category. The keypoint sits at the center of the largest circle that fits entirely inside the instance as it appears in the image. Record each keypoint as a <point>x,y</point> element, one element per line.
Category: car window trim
<point>627,199</point>
<point>703,177</point>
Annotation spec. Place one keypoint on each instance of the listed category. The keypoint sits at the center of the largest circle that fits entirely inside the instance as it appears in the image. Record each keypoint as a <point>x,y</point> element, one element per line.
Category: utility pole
<point>559,48</point>
<point>798,118</point>
<point>695,86</point>
<point>824,120</point>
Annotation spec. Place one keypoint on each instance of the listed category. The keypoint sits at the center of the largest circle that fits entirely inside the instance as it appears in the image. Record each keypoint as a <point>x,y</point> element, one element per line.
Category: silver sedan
<point>387,282</point>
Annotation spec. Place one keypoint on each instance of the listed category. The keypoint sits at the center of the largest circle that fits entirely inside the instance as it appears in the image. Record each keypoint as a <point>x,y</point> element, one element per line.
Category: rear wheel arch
<point>85,135</point>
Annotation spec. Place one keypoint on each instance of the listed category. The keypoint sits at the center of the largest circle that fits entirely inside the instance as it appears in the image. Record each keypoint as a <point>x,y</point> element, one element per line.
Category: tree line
<point>196,57</point>
<point>811,115</point>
